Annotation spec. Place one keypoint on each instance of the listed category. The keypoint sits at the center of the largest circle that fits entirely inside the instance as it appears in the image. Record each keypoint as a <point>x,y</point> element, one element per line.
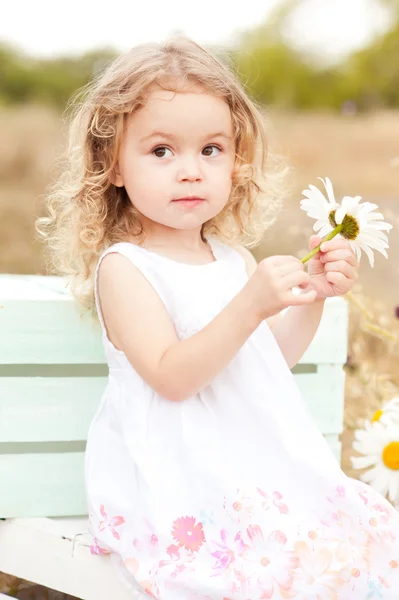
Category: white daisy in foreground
<point>389,413</point>
<point>379,444</point>
<point>352,219</point>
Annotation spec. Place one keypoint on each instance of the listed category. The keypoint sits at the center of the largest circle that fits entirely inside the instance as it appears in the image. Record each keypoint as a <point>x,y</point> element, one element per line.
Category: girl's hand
<point>270,287</point>
<point>333,270</point>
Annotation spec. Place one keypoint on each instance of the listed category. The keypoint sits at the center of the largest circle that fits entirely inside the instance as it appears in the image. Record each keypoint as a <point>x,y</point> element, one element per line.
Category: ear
<point>116,177</point>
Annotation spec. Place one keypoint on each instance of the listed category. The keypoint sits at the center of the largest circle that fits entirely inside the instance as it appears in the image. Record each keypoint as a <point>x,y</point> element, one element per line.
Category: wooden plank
<point>323,392</point>
<point>33,287</point>
<point>34,551</point>
<point>42,485</point>
<point>38,409</point>
<point>53,332</point>
<point>60,409</point>
<point>50,329</point>
<point>47,332</point>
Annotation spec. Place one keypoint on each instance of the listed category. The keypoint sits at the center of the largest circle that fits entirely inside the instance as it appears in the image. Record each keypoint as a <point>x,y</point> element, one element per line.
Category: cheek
<point>141,181</point>
<point>222,176</point>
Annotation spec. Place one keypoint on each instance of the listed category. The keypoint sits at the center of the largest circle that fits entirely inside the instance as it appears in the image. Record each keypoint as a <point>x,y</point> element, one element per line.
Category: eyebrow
<point>174,137</point>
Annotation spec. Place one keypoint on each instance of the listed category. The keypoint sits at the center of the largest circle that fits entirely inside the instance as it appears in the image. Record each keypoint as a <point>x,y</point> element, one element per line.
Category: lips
<point>189,199</point>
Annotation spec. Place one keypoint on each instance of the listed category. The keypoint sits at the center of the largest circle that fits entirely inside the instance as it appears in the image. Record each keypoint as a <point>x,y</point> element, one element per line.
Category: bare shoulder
<point>249,258</point>
<point>122,288</point>
<point>135,317</point>
<point>116,272</point>
<point>122,285</point>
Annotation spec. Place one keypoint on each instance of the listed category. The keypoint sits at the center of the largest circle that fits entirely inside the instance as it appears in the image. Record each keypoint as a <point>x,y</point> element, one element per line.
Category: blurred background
<point>327,75</point>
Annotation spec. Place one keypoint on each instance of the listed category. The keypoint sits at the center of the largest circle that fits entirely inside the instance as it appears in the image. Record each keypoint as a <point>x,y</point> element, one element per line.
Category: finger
<point>296,279</point>
<point>337,278</point>
<point>303,298</point>
<point>290,267</point>
<point>336,243</point>
<point>314,241</point>
<point>341,254</point>
<point>283,260</point>
<point>341,266</point>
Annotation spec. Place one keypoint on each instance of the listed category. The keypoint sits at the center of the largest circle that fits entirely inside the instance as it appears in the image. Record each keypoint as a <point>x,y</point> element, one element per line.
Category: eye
<point>160,148</point>
<point>164,148</point>
<point>212,146</point>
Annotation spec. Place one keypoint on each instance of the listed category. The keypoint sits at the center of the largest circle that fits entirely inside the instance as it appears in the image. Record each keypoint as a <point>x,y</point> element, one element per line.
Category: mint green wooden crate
<point>52,375</point>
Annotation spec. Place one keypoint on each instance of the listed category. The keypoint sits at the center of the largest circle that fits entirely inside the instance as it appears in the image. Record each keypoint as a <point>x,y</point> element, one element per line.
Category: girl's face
<point>180,144</point>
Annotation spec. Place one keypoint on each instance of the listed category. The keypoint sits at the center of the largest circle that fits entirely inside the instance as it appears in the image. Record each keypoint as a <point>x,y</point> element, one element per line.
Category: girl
<point>206,476</point>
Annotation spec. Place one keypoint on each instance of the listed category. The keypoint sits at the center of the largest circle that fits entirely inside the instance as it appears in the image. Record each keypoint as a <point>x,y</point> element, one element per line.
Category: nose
<point>189,169</point>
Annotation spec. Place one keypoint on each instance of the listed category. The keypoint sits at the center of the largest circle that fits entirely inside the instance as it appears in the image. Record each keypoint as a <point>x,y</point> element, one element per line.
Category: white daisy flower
<point>389,413</point>
<point>317,205</point>
<point>352,219</point>
<point>379,444</point>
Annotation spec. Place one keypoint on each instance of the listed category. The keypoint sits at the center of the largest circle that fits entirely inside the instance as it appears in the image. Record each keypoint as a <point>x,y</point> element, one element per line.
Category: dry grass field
<point>360,154</point>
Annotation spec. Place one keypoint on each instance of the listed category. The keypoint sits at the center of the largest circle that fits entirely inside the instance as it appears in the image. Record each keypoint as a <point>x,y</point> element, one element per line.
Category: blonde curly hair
<point>86,212</point>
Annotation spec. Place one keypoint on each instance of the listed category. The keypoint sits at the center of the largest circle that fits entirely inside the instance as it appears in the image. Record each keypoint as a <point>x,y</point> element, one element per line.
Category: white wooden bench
<point>52,373</point>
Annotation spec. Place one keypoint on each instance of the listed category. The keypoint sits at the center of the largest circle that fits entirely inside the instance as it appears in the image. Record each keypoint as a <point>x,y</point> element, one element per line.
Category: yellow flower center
<point>265,561</point>
<point>350,227</point>
<point>390,456</point>
<point>377,415</point>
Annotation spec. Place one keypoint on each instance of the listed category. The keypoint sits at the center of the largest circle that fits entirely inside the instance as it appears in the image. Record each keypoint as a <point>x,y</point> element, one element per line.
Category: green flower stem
<point>329,236</point>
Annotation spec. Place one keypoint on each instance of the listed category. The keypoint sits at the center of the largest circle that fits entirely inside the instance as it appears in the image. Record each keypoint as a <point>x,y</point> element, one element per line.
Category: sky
<point>331,27</point>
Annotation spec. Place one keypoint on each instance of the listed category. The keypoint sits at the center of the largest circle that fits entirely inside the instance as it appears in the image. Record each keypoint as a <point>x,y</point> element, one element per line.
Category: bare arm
<point>295,327</point>
<point>138,324</point>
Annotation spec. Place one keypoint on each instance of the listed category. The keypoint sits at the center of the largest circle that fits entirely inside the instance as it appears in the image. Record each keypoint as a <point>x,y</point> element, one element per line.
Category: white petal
<point>315,194</point>
<point>324,230</point>
<point>376,238</point>
<point>369,476</point>
<point>363,462</point>
<point>369,445</point>
<point>374,216</point>
<point>356,249</point>
<point>370,254</point>
<point>381,225</point>
<point>351,205</point>
<point>379,245</point>
<point>329,189</point>
<point>367,206</point>
<point>339,215</point>
<point>314,210</point>
<point>376,244</point>
<point>319,224</point>
<point>373,239</point>
<point>381,482</point>
<point>392,405</point>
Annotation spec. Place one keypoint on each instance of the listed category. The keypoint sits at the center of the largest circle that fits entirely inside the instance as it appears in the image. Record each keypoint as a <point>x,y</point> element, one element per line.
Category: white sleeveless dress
<point>233,493</point>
